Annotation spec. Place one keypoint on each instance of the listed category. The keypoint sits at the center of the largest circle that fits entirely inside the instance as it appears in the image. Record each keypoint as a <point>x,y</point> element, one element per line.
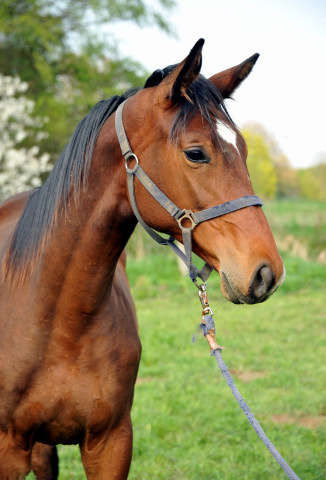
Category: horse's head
<point>186,142</point>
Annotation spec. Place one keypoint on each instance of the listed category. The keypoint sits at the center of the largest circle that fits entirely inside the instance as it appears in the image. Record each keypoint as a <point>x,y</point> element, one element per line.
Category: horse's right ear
<point>176,84</point>
<point>227,81</point>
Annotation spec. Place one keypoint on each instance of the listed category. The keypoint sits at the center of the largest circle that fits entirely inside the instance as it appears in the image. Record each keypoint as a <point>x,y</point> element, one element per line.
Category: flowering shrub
<point>20,167</point>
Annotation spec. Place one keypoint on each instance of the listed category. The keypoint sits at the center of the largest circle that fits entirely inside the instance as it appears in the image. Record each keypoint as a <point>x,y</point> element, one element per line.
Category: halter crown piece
<point>180,215</point>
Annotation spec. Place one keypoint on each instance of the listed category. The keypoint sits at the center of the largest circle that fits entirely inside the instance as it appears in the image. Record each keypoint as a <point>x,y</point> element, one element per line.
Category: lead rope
<point>208,327</point>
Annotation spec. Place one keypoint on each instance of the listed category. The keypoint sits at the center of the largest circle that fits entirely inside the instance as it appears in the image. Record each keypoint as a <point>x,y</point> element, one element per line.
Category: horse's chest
<point>66,400</point>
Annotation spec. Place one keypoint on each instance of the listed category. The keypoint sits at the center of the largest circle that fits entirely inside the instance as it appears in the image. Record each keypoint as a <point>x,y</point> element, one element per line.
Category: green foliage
<point>312,182</point>
<point>40,39</point>
<point>265,153</point>
<point>287,178</point>
<point>53,47</point>
<point>260,165</point>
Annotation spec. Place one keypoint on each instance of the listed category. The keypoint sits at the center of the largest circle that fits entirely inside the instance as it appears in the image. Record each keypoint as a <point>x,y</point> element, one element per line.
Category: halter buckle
<point>186,215</point>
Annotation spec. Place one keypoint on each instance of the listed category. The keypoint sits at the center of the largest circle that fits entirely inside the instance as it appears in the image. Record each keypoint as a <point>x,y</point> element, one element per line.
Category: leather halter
<point>182,216</point>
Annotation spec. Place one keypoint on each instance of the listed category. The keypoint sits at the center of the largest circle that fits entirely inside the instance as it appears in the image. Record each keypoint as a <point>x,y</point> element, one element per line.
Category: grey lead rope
<point>208,327</point>
<point>254,423</point>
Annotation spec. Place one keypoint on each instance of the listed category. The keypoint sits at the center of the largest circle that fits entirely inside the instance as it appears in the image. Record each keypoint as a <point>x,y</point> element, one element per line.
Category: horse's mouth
<point>233,294</point>
<point>227,290</point>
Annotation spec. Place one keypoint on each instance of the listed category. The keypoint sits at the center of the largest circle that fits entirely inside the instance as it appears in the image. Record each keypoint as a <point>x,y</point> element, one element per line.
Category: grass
<point>187,424</point>
<point>296,222</point>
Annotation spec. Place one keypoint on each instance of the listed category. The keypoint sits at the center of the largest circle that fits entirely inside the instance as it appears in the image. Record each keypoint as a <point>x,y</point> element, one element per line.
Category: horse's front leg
<point>15,456</point>
<point>109,457</point>
<point>45,463</point>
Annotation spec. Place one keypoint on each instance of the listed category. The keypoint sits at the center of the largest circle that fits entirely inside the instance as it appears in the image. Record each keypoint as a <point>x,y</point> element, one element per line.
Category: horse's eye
<point>196,155</point>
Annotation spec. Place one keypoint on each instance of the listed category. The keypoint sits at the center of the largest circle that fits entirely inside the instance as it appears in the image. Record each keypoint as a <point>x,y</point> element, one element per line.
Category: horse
<point>69,344</point>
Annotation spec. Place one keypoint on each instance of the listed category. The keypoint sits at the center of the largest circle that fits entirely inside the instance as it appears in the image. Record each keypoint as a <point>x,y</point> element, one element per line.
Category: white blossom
<point>20,168</point>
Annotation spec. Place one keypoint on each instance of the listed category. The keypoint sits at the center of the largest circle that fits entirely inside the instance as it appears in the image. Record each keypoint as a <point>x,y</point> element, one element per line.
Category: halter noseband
<point>182,216</point>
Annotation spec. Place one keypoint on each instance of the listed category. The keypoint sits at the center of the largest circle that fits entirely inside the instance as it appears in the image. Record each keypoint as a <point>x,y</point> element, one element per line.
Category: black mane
<point>69,172</point>
<point>203,97</point>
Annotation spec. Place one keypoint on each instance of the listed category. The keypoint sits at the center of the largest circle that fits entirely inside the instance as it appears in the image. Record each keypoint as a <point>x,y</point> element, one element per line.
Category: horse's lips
<point>230,293</point>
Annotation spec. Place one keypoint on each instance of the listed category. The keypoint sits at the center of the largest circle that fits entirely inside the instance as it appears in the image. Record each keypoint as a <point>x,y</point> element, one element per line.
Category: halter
<point>182,216</point>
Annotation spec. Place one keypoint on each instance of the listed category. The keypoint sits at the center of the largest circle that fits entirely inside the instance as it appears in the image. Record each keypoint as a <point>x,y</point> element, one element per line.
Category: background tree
<point>287,177</point>
<point>54,47</point>
<point>260,165</point>
<point>312,182</point>
<point>319,172</point>
<point>20,168</point>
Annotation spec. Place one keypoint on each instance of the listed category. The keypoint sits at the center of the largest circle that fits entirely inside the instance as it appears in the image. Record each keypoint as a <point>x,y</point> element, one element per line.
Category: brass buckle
<point>186,215</point>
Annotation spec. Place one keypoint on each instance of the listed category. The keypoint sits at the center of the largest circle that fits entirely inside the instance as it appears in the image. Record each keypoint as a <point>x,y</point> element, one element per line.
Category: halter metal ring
<point>186,215</point>
<point>131,156</point>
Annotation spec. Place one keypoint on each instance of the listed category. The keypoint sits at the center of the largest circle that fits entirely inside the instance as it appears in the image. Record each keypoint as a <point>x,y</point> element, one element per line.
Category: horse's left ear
<point>228,80</point>
<point>176,84</point>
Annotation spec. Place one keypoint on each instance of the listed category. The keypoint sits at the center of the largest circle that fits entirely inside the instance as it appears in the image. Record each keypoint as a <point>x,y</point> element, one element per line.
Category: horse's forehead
<point>227,134</point>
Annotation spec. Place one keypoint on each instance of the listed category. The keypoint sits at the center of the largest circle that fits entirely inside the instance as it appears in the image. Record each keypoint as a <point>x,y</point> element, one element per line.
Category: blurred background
<point>57,59</point>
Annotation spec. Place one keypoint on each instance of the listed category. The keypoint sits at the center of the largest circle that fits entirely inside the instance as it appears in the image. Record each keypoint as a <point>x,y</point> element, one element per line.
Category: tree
<point>41,39</point>
<point>20,168</point>
<point>260,165</point>
<point>287,177</point>
<point>319,171</point>
<point>312,182</point>
<point>52,46</point>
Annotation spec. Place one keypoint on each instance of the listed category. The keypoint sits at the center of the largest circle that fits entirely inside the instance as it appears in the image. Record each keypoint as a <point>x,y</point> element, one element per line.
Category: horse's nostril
<point>263,281</point>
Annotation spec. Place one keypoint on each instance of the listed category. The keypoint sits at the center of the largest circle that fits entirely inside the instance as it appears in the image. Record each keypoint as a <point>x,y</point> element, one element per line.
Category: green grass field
<point>187,425</point>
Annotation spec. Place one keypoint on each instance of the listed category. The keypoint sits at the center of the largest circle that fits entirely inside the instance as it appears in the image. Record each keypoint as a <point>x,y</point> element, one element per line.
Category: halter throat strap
<point>182,216</point>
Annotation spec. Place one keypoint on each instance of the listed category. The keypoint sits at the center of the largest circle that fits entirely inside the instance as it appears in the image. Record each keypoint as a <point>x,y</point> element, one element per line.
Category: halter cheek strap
<point>182,216</point>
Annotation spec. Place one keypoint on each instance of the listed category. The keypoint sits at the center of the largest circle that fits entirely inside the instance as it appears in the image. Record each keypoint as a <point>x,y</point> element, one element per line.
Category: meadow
<point>187,424</point>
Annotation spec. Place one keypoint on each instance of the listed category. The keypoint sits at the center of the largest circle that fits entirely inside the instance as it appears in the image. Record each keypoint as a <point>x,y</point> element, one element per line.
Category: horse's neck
<point>77,267</point>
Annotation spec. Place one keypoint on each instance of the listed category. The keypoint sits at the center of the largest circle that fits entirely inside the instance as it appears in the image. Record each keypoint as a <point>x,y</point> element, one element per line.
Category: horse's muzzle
<point>261,286</point>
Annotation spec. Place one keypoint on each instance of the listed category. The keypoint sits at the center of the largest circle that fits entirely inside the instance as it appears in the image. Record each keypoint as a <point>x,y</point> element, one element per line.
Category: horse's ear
<point>228,80</point>
<point>175,85</point>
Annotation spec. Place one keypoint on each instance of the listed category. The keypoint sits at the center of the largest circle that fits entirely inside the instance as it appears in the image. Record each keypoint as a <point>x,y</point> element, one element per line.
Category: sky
<point>286,91</point>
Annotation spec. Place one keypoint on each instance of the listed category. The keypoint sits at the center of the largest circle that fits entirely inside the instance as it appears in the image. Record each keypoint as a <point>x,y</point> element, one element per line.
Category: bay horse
<point>69,347</point>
